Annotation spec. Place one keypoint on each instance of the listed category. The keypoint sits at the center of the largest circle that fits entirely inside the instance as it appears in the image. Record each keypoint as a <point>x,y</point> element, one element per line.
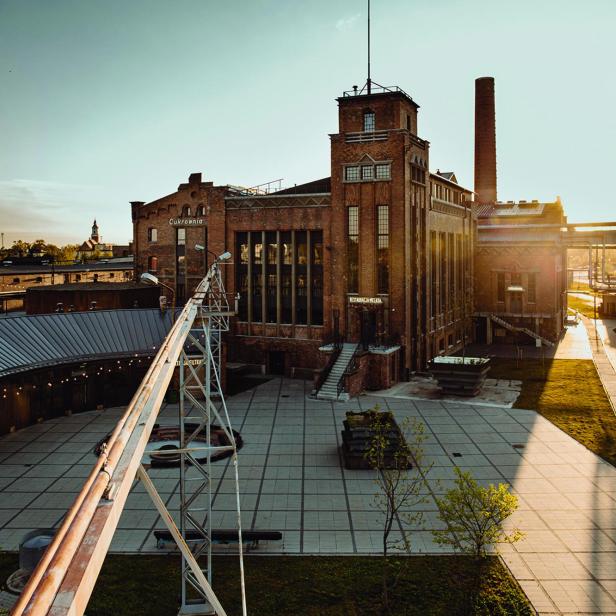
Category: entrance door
<point>368,328</point>
<point>276,362</point>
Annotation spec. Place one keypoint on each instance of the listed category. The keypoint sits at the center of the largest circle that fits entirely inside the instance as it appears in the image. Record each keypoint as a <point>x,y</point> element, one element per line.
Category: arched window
<point>186,211</point>
<point>201,210</point>
<point>152,234</point>
<point>152,264</point>
<point>369,121</point>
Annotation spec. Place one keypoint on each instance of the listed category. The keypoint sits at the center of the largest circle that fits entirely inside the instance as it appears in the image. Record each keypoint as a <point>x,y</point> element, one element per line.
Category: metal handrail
<point>336,342</point>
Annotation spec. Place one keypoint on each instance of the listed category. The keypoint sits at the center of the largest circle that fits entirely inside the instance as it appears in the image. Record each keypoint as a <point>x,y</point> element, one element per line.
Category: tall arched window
<point>152,264</point>
<point>201,210</point>
<point>186,211</point>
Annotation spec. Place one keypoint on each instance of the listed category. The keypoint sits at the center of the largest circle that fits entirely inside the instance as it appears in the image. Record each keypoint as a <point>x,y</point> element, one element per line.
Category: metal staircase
<point>329,389</point>
<point>524,330</point>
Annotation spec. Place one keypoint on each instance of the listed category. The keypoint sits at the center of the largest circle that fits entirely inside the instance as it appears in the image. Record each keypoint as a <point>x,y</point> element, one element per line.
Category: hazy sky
<point>103,102</point>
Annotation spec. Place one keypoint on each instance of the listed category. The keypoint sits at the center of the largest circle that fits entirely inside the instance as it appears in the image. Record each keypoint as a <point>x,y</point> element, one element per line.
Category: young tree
<point>399,479</point>
<point>474,516</point>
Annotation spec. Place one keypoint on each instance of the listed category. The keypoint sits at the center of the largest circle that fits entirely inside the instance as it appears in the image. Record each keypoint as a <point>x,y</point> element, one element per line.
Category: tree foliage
<point>474,516</point>
<point>59,254</point>
<point>399,479</point>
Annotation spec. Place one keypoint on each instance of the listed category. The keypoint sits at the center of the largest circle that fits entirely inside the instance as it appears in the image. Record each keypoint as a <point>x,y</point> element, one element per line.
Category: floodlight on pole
<point>153,280</point>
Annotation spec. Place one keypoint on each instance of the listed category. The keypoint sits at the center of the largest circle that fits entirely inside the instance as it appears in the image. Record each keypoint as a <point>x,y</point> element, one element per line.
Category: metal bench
<point>221,536</point>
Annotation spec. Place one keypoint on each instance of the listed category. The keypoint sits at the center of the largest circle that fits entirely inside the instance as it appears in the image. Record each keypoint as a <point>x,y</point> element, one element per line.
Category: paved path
<point>292,480</point>
<point>603,345</point>
<point>573,345</point>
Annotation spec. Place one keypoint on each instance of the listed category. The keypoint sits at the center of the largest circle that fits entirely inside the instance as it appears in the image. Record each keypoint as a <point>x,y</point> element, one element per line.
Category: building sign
<point>354,299</point>
<point>187,222</point>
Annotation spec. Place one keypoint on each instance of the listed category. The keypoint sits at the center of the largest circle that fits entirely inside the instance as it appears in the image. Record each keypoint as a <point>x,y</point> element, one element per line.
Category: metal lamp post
<point>151,279</point>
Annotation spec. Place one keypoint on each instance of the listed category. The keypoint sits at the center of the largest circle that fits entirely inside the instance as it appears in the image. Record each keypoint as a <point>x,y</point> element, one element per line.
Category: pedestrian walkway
<point>293,480</point>
<point>603,345</point>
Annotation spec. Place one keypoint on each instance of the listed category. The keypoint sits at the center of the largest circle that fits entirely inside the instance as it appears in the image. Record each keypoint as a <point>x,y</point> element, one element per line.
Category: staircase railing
<point>525,330</point>
<point>351,367</point>
<point>336,342</point>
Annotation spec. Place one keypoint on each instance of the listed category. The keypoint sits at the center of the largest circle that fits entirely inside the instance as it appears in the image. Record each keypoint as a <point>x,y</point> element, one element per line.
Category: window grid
<point>382,172</point>
<point>369,121</point>
<point>351,174</point>
<point>285,283</point>
<point>353,248</point>
<point>382,216</point>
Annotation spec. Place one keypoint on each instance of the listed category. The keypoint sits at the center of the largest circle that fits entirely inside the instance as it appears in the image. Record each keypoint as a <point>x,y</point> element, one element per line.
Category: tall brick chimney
<point>485,140</point>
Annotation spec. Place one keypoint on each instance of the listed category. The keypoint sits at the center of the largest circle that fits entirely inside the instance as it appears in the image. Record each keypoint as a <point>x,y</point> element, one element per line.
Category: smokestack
<point>485,140</point>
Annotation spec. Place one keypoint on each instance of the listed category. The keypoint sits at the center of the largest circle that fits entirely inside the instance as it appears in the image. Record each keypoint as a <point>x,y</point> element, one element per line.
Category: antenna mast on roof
<point>369,81</point>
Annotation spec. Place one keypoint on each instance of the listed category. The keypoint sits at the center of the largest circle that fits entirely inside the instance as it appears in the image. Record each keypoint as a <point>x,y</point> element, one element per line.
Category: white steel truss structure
<point>65,577</point>
<point>202,404</point>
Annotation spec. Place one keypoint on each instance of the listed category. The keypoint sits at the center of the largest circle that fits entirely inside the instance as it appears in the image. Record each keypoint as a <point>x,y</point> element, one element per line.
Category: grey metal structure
<point>38,341</point>
<point>62,582</point>
<point>202,403</point>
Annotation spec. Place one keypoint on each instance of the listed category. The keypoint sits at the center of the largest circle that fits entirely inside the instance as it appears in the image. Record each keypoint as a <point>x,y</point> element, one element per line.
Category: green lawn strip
<point>307,585</point>
<point>584,306</point>
<point>570,394</point>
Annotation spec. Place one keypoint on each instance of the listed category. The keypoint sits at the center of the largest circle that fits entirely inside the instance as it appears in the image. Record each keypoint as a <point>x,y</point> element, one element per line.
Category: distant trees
<point>59,254</point>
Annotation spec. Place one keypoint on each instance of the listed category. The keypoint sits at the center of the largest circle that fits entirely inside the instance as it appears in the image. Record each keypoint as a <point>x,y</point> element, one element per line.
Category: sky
<point>103,102</point>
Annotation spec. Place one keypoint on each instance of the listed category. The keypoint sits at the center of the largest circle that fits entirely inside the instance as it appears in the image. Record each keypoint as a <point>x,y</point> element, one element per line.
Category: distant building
<point>94,248</point>
<point>520,253</point>
<point>521,271</point>
<point>17,277</point>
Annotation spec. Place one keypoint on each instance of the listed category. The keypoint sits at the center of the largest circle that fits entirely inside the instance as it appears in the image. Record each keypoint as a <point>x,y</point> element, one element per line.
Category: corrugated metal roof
<point>510,209</point>
<point>37,341</point>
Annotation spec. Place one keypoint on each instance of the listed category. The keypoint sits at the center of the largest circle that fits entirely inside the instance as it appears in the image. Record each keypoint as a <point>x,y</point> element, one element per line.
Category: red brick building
<point>520,256</point>
<point>521,279</point>
<point>379,253</point>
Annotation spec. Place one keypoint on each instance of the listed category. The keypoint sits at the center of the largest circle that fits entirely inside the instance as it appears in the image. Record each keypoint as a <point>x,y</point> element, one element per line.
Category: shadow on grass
<point>285,585</point>
<point>570,394</point>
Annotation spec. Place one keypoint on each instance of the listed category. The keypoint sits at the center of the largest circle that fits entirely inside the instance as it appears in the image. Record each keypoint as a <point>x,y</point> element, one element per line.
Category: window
<point>78,277</point>
<point>112,275</point>
<point>241,285</point>
<point>351,174</point>
<point>382,239</point>
<point>186,211</point>
<point>180,264</point>
<point>301,278</point>
<point>286,282</point>
<point>367,172</point>
<point>316,272</point>
<point>408,122</point>
<point>95,277</point>
<point>369,121</point>
<point>532,288</point>
<point>352,249</point>
<point>39,279</point>
<point>271,279</point>
<point>15,280</point>
<point>500,287</point>
<point>201,210</point>
<point>382,172</point>
<point>152,234</point>
<point>152,264</point>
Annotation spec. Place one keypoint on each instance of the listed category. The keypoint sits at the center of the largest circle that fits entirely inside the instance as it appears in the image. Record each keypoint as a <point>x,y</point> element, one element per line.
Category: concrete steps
<point>329,389</point>
<point>525,330</point>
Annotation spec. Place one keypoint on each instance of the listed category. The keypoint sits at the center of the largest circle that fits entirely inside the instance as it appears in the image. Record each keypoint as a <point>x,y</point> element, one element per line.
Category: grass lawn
<point>584,306</point>
<point>285,585</point>
<point>569,393</point>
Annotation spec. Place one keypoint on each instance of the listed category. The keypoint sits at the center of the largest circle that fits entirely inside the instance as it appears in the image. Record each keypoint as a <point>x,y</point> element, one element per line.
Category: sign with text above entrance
<point>355,299</point>
<point>187,222</point>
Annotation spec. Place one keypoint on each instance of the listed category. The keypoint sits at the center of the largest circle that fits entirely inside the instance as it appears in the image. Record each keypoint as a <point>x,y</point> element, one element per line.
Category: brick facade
<point>304,275</point>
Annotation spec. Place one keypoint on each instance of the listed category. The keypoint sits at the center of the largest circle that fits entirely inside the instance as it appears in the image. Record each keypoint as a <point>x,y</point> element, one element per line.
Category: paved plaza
<point>292,480</point>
